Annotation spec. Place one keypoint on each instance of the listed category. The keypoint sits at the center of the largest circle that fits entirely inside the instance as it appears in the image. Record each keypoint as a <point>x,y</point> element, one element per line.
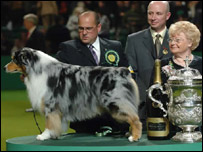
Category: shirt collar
<point>162,33</point>
<point>31,30</point>
<point>95,44</point>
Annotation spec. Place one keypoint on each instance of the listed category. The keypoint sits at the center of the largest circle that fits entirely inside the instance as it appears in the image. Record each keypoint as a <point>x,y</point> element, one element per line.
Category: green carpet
<point>15,122</point>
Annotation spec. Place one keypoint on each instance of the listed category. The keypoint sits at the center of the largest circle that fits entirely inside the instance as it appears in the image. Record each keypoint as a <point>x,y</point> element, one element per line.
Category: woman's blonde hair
<point>189,29</point>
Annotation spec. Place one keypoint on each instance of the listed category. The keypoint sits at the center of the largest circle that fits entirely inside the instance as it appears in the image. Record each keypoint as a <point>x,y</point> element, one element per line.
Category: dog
<point>65,92</point>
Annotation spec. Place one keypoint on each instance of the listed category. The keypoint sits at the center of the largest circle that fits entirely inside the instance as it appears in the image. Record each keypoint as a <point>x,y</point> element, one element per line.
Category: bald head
<point>90,13</point>
<point>165,4</point>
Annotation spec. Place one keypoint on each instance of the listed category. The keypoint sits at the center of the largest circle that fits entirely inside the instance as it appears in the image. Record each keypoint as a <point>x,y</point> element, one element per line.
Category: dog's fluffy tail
<point>136,93</point>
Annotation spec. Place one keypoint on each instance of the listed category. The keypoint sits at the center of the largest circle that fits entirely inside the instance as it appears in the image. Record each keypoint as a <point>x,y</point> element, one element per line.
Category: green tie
<point>157,44</point>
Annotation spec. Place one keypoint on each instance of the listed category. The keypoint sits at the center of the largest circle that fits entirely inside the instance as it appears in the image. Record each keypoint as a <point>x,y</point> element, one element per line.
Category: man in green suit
<point>141,51</point>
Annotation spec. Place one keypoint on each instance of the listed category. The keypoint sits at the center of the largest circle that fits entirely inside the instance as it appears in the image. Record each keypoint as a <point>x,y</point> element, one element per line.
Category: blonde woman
<point>184,37</point>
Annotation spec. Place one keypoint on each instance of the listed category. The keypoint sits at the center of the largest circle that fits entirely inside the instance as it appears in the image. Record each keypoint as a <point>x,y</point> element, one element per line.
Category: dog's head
<point>21,61</point>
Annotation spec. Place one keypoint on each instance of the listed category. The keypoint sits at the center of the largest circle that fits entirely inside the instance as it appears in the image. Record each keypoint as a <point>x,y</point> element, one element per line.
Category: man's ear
<point>168,16</point>
<point>99,27</point>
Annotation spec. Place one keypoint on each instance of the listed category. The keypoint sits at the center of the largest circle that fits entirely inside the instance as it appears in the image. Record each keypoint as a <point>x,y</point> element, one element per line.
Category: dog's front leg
<point>53,127</point>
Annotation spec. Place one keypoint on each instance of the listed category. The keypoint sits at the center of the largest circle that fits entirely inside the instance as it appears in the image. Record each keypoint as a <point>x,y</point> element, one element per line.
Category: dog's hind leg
<point>53,127</point>
<point>136,128</point>
<point>64,125</point>
<point>135,124</point>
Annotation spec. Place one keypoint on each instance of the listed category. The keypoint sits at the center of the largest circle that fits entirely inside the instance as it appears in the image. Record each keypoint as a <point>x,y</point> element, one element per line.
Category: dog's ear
<point>22,57</point>
<point>29,56</point>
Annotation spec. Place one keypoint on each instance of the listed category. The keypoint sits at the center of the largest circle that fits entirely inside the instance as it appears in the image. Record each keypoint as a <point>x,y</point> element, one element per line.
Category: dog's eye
<point>23,57</point>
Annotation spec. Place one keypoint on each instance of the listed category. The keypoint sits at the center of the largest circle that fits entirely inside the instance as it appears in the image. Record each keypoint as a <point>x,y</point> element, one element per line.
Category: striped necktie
<point>93,53</point>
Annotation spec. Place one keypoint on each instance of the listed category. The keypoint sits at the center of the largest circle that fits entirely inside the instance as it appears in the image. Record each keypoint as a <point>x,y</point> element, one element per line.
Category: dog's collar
<point>24,71</point>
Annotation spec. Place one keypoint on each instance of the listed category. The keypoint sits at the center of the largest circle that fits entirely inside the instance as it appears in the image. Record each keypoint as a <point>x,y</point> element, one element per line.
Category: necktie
<point>93,53</point>
<point>157,44</point>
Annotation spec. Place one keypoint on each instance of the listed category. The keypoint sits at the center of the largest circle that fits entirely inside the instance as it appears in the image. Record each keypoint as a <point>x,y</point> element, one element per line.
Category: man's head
<point>30,20</point>
<point>88,26</point>
<point>158,13</point>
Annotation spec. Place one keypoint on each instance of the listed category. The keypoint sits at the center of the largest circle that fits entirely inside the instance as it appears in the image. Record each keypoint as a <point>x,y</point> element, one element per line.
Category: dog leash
<point>36,122</point>
<point>103,131</point>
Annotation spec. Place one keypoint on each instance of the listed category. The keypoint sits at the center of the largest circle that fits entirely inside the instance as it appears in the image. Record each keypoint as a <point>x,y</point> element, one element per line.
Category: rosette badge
<point>112,57</point>
<point>165,51</point>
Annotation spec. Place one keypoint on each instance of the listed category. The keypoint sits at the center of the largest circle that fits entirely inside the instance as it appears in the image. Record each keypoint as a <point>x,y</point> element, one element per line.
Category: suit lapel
<point>84,51</point>
<point>148,42</point>
<point>103,48</point>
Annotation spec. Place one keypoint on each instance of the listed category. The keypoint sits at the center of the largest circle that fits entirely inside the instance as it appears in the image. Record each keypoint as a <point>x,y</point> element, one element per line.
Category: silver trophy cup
<point>184,89</point>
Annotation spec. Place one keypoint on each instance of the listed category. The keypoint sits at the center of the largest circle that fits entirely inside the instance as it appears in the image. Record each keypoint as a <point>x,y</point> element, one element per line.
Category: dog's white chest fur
<point>36,86</point>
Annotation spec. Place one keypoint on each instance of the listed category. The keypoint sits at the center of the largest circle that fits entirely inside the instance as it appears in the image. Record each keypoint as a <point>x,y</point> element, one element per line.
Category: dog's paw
<point>45,135</point>
<point>40,137</point>
<point>132,139</point>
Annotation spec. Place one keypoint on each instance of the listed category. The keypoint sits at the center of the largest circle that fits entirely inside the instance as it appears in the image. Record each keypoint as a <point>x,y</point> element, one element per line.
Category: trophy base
<point>190,137</point>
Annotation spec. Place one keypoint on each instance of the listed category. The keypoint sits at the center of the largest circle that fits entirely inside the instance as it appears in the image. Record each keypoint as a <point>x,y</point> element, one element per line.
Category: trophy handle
<point>160,105</point>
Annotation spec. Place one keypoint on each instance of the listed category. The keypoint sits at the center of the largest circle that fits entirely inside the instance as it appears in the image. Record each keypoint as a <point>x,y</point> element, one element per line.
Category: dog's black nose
<point>4,68</point>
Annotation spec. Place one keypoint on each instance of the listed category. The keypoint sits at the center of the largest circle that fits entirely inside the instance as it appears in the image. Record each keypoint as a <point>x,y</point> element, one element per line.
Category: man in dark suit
<point>35,38</point>
<point>102,52</point>
<point>56,34</point>
<point>141,51</point>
